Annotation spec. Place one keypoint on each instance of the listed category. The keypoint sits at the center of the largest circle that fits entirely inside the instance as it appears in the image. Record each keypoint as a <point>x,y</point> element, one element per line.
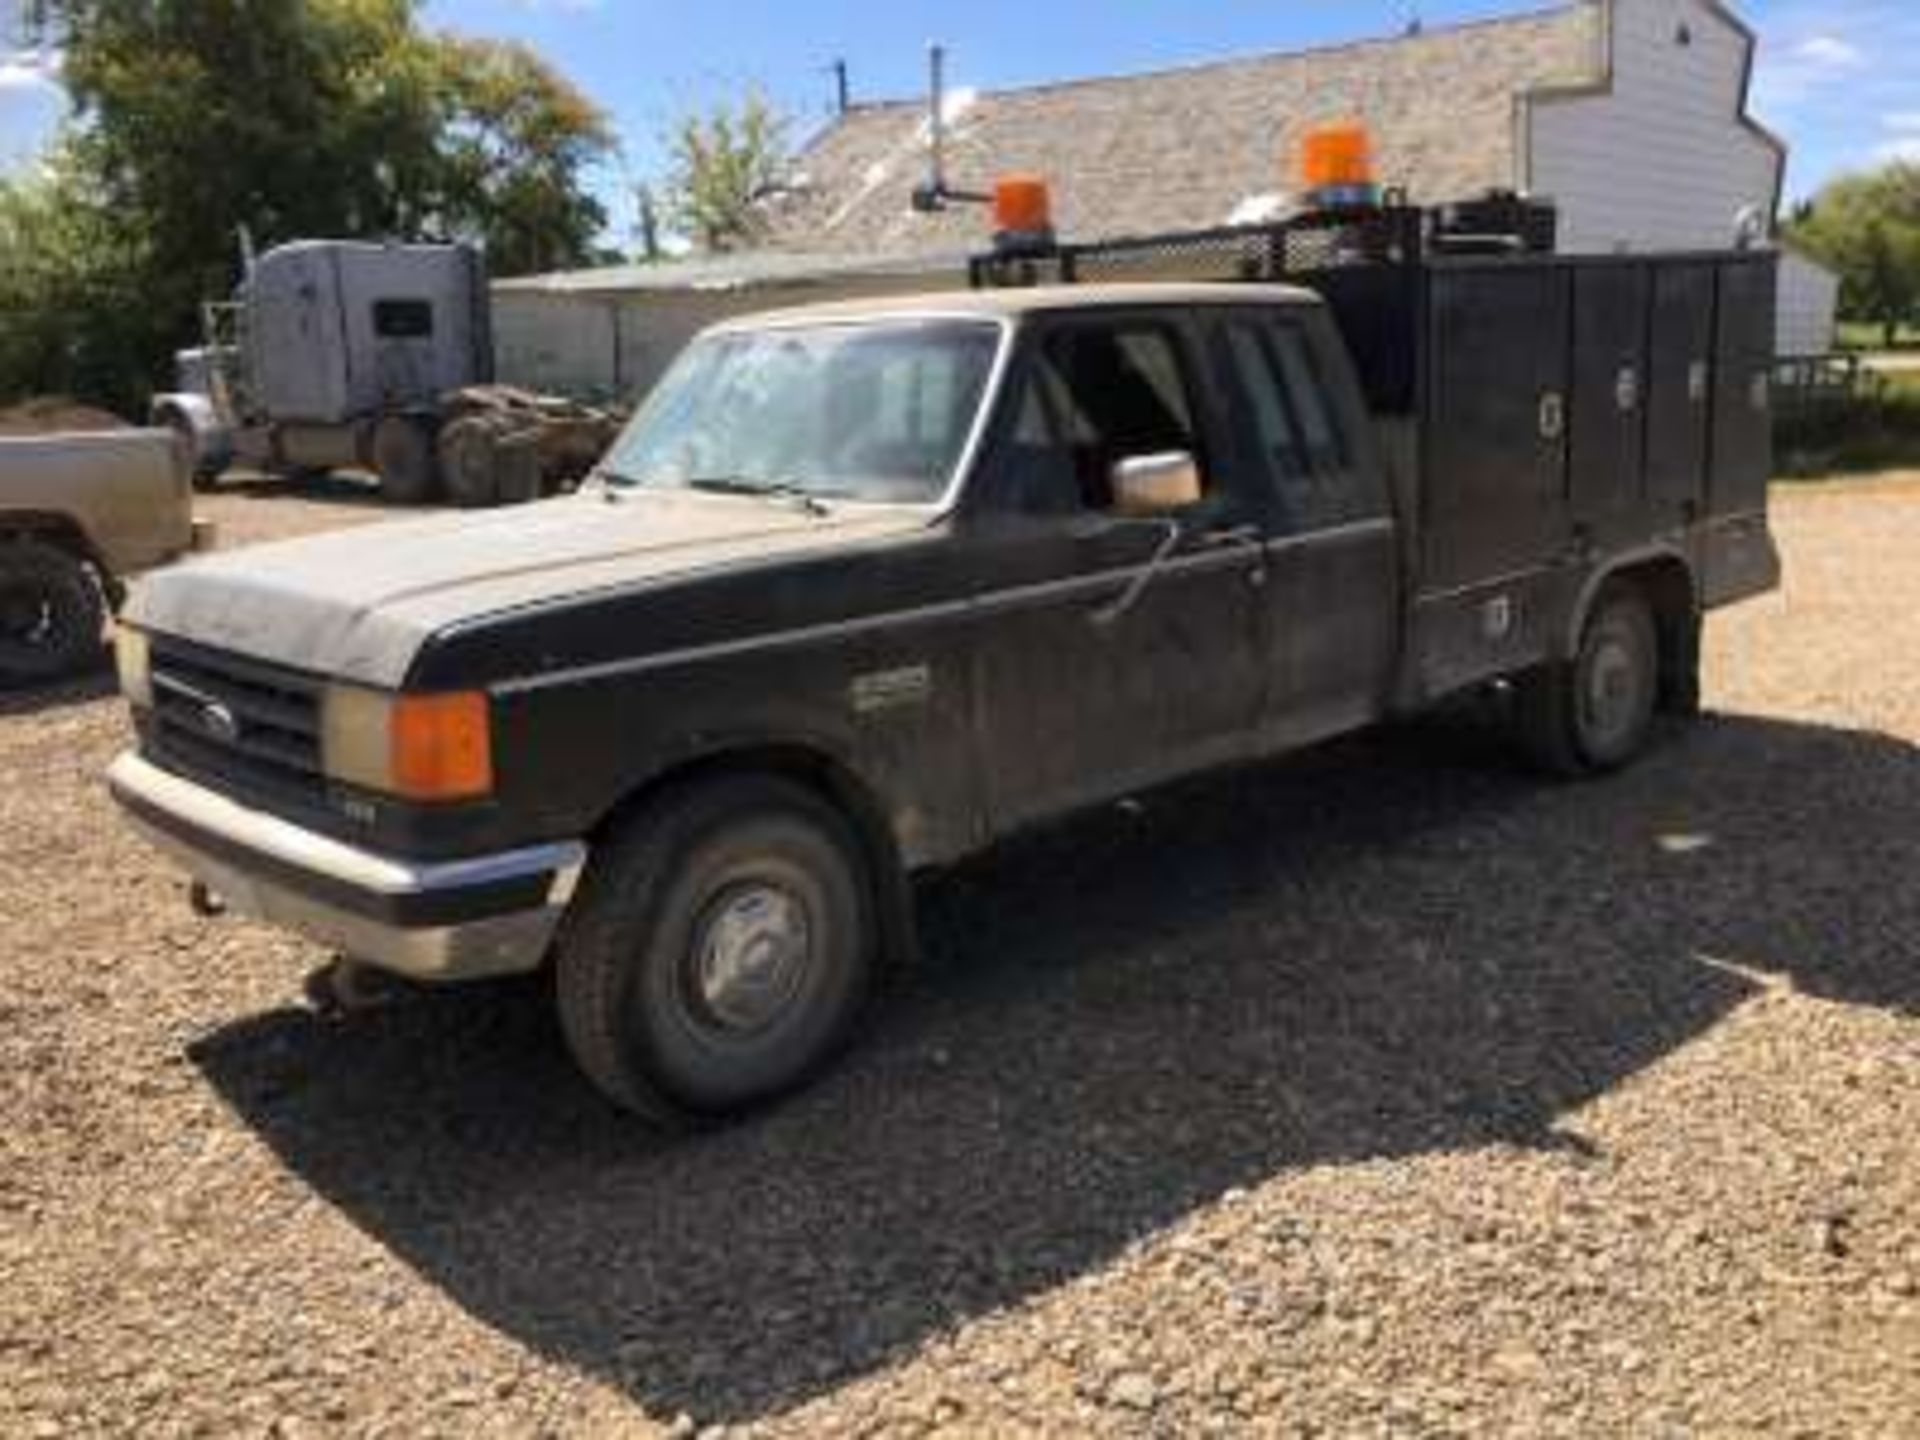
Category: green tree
<point>71,306</point>
<point>725,164</point>
<point>1867,227</point>
<point>299,118</point>
<point>515,142</point>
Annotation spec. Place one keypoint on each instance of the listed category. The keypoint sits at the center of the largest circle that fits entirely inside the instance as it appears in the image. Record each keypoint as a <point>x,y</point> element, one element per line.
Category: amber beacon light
<point>1022,205</point>
<point>1336,165</point>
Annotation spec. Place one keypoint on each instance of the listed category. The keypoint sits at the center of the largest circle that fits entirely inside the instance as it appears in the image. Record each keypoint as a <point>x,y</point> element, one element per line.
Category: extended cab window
<point>403,319</point>
<point>1097,394</point>
<point>1296,434</point>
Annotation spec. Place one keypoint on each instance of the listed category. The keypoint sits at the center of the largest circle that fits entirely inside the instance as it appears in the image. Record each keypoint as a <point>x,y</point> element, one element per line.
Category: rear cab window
<point>403,319</point>
<point>1299,442</point>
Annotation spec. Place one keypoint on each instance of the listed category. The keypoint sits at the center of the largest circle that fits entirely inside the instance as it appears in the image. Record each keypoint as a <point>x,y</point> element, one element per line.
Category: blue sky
<point>1839,79</point>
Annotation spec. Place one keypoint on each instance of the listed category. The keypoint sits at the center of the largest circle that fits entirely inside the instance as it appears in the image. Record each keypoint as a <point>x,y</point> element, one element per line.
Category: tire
<point>52,613</point>
<point>680,990</point>
<point>403,458</point>
<point>1595,713</point>
<point>468,465</point>
<point>202,476</point>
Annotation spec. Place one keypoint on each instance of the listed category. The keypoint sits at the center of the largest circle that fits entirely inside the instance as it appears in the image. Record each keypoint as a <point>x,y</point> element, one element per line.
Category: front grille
<point>238,723</point>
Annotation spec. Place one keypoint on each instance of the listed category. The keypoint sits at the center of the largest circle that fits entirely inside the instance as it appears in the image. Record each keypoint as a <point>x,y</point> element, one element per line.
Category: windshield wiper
<point>762,489</point>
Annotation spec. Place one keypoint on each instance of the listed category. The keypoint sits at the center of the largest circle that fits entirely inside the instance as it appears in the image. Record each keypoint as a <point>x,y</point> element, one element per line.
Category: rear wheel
<point>1595,712</point>
<point>719,951</point>
<point>467,462</point>
<point>404,458</point>
<point>52,614</point>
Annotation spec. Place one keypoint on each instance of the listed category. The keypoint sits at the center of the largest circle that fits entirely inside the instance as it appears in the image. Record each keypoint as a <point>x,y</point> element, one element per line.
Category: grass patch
<point>1866,335</point>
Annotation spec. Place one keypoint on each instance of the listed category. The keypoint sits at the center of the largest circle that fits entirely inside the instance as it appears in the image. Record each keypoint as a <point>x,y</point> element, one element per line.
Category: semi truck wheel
<point>468,464</point>
<point>404,459</point>
<point>52,614</point>
<point>718,952</point>
<point>1595,712</point>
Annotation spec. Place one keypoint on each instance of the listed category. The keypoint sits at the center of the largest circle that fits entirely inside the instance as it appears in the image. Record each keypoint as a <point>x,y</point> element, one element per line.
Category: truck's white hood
<point>358,604</point>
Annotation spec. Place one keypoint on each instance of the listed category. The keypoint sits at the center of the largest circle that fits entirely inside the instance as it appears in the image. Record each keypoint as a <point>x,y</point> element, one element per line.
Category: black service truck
<point>864,587</point>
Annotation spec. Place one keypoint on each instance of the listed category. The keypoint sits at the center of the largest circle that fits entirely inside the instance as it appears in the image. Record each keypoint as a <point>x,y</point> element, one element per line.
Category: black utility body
<point>1173,515</point>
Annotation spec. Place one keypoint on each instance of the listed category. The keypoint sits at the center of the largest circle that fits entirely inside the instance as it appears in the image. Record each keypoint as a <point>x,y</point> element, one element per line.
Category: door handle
<point>1248,536</point>
<point>1107,614</point>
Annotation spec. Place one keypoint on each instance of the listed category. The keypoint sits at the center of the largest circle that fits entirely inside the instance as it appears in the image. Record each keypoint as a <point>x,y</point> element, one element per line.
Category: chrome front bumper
<point>438,920</point>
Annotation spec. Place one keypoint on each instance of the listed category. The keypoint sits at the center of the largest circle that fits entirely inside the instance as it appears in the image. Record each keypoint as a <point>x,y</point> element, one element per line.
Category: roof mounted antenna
<point>935,194</point>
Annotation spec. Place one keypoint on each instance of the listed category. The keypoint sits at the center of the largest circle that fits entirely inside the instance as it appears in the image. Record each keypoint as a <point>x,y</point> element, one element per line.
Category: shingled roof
<point>1194,146</point>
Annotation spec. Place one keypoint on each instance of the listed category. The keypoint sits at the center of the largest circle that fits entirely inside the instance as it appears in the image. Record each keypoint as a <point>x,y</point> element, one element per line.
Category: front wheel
<point>719,950</point>
<point>1595,712</point>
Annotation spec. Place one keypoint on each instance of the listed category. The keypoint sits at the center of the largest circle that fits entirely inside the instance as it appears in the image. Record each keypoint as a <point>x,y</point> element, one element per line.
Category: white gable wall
<point>1659,153</point>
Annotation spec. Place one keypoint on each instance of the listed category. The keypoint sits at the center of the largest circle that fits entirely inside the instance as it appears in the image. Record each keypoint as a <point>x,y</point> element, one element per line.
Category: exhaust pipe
<point>937,118</point>
<point>933,195</point>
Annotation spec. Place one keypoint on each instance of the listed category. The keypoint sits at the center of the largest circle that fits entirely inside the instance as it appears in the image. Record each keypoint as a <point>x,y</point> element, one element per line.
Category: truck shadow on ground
<point>332,487</point>
<point>94,682</point>
<point>1394,947</point>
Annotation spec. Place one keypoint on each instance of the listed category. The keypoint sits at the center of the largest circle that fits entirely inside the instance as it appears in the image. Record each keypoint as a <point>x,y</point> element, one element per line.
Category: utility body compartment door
<point>1606,464</point>
<point>1495,467</point>
<point>1740,558</point>
<point>1679,392</point>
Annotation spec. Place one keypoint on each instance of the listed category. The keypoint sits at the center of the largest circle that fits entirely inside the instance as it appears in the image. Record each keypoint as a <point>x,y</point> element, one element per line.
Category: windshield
<point>865,411</point>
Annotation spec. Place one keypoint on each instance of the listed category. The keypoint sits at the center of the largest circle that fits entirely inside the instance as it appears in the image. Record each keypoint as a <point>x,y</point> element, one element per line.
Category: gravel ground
<point>1384,1091</point>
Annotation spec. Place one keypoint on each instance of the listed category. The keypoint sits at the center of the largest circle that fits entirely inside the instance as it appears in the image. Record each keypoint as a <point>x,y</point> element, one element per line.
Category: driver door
<point>1127,647</point>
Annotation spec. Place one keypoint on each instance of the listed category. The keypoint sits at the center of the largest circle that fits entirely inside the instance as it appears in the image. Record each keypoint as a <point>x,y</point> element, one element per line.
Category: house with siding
<point>1631,115</point>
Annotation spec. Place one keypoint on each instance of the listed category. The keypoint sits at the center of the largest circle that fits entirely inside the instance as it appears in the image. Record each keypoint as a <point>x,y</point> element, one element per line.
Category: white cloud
<point>1907,147</point>
<point>1832,51</point>
<point>29,69</point>
<point>1902,121</point>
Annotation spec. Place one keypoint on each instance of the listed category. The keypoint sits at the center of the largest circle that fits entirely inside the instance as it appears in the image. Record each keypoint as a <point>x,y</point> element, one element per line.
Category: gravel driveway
<point>1389,1091</point>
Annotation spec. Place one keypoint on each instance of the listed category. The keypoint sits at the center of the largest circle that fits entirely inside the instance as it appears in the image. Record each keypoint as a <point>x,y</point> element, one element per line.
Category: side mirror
<point>1146,485</point>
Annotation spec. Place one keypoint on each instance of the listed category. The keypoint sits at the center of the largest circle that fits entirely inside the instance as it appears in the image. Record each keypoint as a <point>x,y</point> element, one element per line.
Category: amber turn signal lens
<point>442,746</point>
<point>1022,205</point>
<point>1336,156</point>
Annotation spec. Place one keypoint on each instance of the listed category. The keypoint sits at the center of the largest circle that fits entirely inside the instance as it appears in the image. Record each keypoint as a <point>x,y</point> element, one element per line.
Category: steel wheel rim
<point>1610,700</point>
<point>26,618</point>
<point>751,955</point>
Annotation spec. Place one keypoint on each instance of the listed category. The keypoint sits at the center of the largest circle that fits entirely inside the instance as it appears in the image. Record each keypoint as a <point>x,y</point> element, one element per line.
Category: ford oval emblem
<point>220,722</point>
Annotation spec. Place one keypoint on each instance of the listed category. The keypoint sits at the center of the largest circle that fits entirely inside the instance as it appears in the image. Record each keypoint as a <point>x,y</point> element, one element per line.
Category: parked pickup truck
<point>79,512</point>
<point>864,587</point>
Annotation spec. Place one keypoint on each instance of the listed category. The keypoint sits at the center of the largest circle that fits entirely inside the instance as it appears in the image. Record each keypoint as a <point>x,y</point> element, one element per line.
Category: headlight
<point>418,747</point>
<point>133,658</point>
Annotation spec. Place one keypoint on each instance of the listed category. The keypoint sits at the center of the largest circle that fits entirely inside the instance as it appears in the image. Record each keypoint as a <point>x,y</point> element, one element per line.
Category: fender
<point>195,417</point>
<point>1662,551</point>
<point>827,767</point>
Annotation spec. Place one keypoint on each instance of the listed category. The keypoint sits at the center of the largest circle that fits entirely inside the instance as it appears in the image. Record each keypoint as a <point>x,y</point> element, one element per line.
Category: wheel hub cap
<point>1612,697</point>
<point>750,955</point>
<point>23,617</point>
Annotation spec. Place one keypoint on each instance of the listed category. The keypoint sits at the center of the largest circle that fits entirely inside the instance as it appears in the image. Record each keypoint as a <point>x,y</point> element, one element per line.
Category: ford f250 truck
<point>864,587</point>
